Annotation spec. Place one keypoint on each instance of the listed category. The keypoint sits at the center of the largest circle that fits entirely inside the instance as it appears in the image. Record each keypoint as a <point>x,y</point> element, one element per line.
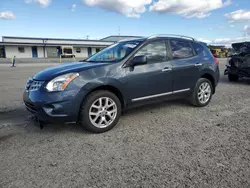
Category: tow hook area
<point>39,123</point>
<point>226,72</point>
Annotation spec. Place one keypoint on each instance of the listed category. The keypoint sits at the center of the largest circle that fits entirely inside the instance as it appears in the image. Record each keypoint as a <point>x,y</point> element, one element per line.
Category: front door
<point>185,65</point>
<point>59,51</point>
<point>153,79</point>
<point>89,51</point>
<point>2,52</point>
<point>34,52</point>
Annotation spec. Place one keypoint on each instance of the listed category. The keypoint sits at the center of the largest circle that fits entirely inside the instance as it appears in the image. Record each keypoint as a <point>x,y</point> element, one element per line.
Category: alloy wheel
<point>103,112</point>
<point>204,92</point>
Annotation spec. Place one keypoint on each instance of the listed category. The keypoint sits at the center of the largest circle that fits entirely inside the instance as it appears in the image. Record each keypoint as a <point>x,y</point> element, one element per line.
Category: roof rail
<point>172,35</point>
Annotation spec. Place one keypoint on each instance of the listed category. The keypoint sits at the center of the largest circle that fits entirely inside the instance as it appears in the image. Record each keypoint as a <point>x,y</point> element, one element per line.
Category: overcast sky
<point>213,21</point>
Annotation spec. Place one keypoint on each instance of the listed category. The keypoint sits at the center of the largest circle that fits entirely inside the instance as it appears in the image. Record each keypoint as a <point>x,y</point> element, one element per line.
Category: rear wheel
<point>202,93</point>
<point>100,112</point>
<point>233,78</point>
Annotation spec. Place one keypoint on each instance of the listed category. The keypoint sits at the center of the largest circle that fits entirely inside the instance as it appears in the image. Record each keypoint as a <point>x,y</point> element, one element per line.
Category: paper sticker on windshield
<point>130,45</point>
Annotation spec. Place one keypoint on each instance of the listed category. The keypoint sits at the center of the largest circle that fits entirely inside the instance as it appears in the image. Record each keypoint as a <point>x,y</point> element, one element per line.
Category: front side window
<point>155,52</point>
<point>116,52</point>
<point>181,49</point>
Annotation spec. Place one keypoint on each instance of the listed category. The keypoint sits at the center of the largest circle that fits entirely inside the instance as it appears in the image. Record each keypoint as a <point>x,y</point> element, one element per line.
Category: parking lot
<point>171,144</point>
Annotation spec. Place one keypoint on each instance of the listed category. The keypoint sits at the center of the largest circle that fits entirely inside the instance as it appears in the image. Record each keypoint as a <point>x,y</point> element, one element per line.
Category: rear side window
<point>181,49</point>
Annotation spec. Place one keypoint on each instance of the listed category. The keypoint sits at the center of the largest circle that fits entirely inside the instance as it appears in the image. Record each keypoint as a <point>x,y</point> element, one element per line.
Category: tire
<point>233,78</point>
<point>194,98</point>
<point>103,118</point>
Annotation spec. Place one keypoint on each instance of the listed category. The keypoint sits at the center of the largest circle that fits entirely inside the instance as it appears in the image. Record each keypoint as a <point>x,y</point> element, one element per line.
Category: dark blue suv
<point>126,74</point>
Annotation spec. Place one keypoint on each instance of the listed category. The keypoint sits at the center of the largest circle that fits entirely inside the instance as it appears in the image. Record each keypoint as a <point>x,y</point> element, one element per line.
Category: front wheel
<point>202,93</point>
<point>100,112</point>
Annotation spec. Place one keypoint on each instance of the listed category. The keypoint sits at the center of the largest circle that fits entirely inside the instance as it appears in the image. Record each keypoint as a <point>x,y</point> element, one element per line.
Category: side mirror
<point>139,60</point>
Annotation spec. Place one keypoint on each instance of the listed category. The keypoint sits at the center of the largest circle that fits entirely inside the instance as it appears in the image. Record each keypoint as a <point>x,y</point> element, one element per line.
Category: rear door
<point>185,65</point>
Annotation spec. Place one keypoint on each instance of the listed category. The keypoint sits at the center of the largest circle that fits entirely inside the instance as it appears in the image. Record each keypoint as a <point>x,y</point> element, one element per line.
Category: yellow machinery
<point>219,52</point>
<point>67,52</point>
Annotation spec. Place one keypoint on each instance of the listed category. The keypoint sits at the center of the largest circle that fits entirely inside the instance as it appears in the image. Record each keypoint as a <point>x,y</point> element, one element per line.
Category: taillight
<point>216,61</point>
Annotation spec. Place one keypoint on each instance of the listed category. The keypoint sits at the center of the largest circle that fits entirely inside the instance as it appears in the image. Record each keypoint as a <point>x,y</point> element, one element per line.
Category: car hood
<point>52,72</point>
<point>241,47</point>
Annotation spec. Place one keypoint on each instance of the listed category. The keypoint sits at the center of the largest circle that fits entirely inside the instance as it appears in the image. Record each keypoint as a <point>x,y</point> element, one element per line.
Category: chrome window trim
<point>180,91</point>
<point>160,95</point>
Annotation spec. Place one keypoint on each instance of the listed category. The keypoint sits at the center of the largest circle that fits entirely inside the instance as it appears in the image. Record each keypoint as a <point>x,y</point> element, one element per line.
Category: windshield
<point>116,52</point>
<point>67,50</point>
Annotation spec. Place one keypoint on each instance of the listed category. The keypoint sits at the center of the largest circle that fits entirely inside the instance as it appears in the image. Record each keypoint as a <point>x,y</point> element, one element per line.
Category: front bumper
<point>54,107</point>
<point>217,76</point>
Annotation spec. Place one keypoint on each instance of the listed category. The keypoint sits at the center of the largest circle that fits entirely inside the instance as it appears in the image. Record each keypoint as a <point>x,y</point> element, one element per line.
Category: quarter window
<point>181,49</point>
<point>156,52</point>
<point>198,48</point>
<point>203,50</point>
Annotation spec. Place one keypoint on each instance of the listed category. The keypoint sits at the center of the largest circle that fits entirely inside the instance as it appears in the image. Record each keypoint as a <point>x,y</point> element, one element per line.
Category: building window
<point>78,50</point>
<point>21,49</point>
<point>98,50</point>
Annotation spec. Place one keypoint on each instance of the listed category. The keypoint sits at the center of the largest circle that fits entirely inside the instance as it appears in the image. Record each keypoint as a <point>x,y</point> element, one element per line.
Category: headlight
<point>61,82</point>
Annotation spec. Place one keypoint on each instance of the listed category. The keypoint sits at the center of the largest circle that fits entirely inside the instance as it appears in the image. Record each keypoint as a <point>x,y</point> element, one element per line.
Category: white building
<point>26,47</point>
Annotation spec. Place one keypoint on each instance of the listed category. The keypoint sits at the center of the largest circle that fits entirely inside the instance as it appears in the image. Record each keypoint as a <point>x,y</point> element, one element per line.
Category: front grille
<point>33,85</point>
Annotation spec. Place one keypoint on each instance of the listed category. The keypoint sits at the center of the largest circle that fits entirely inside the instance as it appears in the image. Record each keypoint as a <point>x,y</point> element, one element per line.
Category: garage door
<point>52,52</point>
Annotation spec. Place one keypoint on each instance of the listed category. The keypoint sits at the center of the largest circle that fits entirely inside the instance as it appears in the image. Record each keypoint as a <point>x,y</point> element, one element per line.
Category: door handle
<point>166,69</point>
<point>198,64</point>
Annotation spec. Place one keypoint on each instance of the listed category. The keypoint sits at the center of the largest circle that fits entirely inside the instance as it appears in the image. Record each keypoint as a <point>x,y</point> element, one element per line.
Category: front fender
<point>92,85</point>
<point>102,83</point>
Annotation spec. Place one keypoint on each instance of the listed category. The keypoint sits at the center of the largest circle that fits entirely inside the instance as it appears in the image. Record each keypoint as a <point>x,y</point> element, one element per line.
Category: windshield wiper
<point>86,60</point>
